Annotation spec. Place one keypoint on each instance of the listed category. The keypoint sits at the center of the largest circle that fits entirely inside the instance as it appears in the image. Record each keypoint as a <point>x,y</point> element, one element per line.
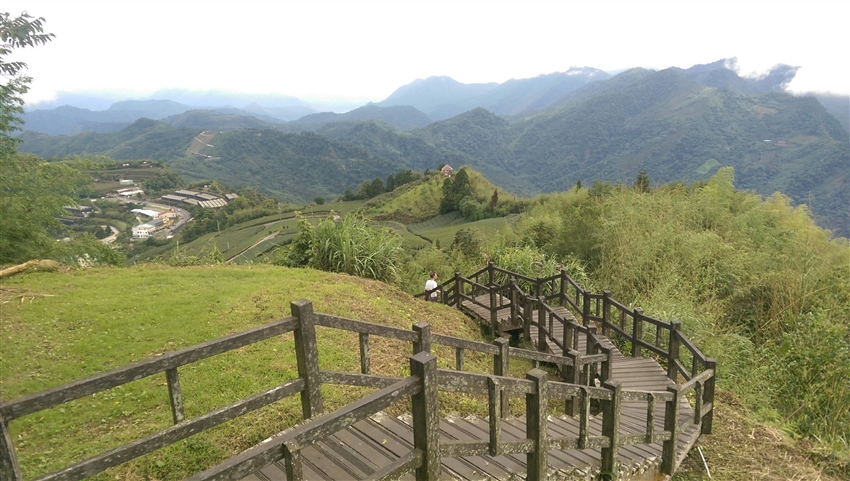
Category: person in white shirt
<point>431,285</point>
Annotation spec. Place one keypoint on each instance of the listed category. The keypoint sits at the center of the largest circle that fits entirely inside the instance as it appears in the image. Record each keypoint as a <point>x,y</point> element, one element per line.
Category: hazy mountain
<point>401,116</point>
<point>71,120</point>
<point>143,139</point>
<point>228,119</point>
<point>442,97</point>
<point>292,167</point>
<point>838,106</point>
<point>668,122</point>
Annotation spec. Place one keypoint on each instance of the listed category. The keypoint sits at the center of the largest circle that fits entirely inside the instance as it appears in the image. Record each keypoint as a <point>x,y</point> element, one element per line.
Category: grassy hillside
<point>61,326</point>
<point>77,323</point>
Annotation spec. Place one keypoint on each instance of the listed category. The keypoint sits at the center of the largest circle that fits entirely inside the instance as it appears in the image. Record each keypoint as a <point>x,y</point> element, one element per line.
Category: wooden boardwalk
<point>370,445</point>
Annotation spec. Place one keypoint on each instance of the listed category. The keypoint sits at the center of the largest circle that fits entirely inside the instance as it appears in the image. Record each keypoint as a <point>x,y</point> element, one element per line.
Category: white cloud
<point>365,50</point>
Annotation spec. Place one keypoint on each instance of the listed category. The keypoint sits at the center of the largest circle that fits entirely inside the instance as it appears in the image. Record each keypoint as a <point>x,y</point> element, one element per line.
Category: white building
<point>143,231</point>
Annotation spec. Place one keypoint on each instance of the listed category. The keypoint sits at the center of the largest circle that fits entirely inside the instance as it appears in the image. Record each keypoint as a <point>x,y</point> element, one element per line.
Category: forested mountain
<point>664,122</point>
<point>401,116</point>
<point>143,139</point>
<point>444,97</point>
<point>72,120</point>
<point>292,167</point>
<point>229,119</point>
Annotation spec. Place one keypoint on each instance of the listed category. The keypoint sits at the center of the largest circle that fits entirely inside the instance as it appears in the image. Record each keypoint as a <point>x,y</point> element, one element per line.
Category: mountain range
<point>534,135</point>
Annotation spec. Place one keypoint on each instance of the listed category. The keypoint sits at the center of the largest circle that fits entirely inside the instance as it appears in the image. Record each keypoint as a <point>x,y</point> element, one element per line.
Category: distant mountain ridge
<point>668,122</point>
<point>443,97</point>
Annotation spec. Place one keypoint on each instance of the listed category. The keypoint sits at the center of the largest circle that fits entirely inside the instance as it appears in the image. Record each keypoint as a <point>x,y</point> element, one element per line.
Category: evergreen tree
<point>642,183</point>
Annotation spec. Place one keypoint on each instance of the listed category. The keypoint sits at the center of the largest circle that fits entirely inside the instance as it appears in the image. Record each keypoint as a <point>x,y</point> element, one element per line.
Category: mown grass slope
<point>58,327</point>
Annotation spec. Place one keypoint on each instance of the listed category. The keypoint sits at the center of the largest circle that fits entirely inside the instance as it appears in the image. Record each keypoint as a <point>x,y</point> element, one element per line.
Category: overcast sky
<point>365,50</point>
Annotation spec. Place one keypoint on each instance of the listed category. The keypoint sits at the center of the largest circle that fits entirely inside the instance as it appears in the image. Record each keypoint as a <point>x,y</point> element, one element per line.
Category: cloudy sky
<point>365,50</point>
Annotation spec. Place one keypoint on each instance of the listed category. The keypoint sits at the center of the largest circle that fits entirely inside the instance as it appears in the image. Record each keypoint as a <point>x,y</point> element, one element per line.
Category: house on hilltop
<point>447,170</point>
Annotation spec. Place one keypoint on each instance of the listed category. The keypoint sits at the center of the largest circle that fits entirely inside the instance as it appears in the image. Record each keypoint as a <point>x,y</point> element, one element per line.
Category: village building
<point>143,231</point>
<point>447,170</point>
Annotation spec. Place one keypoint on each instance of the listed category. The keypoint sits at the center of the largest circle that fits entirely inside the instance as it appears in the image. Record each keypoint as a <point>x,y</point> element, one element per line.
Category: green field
<point>443,228</point>
<point>108,179</point>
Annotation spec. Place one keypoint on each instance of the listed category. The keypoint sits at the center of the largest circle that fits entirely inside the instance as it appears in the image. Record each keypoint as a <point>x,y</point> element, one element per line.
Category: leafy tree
<point>319,200</point>
<point>163,182</point>
<point>15,33</point>
<point>390,183</point>
<point>494,200</point>
<point>376,187</point>
<point>642,183</point>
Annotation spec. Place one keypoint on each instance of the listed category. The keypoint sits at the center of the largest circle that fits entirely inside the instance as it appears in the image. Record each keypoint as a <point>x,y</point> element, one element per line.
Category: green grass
<point>58,327</point>
<point>442,229</point>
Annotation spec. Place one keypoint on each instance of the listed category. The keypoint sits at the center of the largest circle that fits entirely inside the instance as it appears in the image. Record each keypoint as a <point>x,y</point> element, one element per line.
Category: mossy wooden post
<point>585,307</point>
<point>571,374</point>
<point>292,463</point>
<point>307,357</point>
<point>423,333</point>
<point>365,357</point>
<point>491,273</point>
<point>606,312</point>
<point>494,310</point>
<point>527,313</point>
<point>673,351</point>
<point>9,468</point>
<point>458,289</point>
<point>494,405</point>
<point>536,425</point>
<point>590,349</point>
<point>426,416</point>
<point>708,396</point>
<point>611,427</point>
<point>542,343</point>
<point>671,424</point>
<point>501,367</point>
<point>175,395</point>
<point>513,302</point>
<point>563,294</point>
<point>637,332</point>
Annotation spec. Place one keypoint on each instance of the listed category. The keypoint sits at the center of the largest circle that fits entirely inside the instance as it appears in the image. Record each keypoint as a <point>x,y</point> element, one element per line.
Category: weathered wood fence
<point>529,301</point>
<point>575,389</point>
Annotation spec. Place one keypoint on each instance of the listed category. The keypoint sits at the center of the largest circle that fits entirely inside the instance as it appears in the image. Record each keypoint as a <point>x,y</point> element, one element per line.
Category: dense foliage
<point>349,245</point>
<point>756,283</point>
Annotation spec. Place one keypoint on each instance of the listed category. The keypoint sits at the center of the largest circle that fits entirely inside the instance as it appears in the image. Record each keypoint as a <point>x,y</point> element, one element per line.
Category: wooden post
<point>9,468</point>
<point>527,312</point>
<point>708,395</point>
<point>494,391</point>
<point>459,359</point>
<point>585,307</point>
<point>365,357</point>
<point>175,395</point>
<point>292,464</point>
<point>671,424</point>
<point>501,367</point>
<point>606,312</point>
<point>491,273</point>
<point>542,343</point>
<point>426,416</point>
<point>538,287</point>
<point>611,428</point>
<point>590,349</point>
<point>513,302</point>
<point>673,351</point>
<point>571,374</point>
<point>307,357</point>
<point>563,293</point>
<point>458,299</point>
<point>536,425</point>
<point>607,364</point>
<point>423,334</point>
<point>494,320</point>
<point>637,332</point>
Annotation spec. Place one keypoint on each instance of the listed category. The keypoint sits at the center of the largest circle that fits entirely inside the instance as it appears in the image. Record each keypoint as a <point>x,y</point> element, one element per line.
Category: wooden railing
<point>421,388</point>
<point>625,326</point>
